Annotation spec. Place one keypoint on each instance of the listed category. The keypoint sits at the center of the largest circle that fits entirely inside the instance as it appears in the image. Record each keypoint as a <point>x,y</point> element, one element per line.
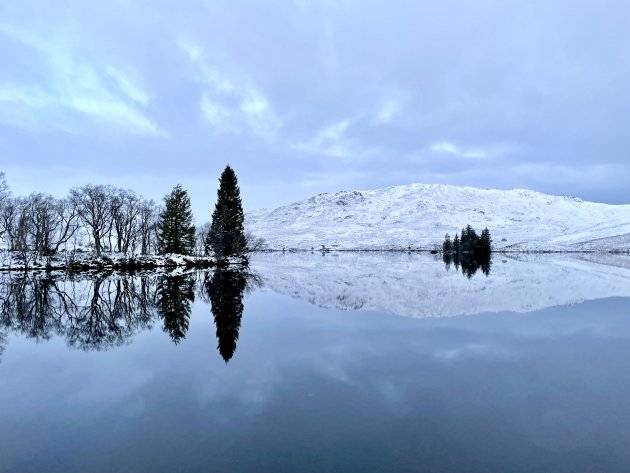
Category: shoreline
<point>439,252</point>
<point>86,262</point>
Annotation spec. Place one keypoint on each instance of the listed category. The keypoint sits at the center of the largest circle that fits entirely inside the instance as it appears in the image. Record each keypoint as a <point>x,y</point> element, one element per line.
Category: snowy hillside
<point>418,285</point>
<point>419,215</point>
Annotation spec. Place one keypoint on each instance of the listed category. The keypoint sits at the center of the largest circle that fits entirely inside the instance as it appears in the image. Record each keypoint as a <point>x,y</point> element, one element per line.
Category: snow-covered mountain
<point>419,215</point>
<point>418,285</point>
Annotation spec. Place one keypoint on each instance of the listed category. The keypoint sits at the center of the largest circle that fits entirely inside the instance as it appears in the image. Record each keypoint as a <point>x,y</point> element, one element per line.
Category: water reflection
<point>92,314</point>
<point>102,311</point>
<point>419,285</point>
<point>224,290</point>
<point>469,264</point>
<point>174,298</point>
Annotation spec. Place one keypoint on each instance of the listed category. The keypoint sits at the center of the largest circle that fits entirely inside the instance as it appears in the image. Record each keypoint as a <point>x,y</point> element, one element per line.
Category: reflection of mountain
<point>418,284</point>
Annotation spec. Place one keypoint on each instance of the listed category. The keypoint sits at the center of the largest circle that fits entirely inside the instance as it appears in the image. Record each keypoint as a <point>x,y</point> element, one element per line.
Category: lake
<point>337,362</point>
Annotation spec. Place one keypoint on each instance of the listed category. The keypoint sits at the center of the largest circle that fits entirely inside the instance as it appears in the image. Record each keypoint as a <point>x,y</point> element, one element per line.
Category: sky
<point>310,96</point>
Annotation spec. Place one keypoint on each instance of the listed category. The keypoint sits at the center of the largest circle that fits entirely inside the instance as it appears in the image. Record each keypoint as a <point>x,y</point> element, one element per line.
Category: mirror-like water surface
<point>336,362</point>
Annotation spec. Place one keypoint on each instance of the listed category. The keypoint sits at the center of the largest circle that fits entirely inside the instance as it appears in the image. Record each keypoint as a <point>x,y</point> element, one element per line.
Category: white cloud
<point>217,115</point>
<point>446,147</point>
<point>76,86</point>
<point>260,115</point>
<point>332,141</point>
<point>390,107</point>
<point>232,103</point>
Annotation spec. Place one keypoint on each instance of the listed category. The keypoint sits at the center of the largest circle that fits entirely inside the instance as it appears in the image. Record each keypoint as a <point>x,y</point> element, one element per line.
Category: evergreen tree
<point>176,233</point>
<point>485,243</point>
<point>226,236</point>
<point>456,245</point>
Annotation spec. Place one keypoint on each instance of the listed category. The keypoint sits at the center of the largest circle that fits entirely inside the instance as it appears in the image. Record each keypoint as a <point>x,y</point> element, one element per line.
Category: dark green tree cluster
<point>227,236</point>
<point>469,243</point>
<point>175,229</point>
<point>470,250</point>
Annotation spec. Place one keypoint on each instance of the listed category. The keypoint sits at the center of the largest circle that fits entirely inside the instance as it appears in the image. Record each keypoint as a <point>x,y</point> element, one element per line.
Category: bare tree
<point>201,237</point>
<point>93,204</point>
<point>146,224</point>
<point>5,197</point>
<point>126,210</point>
<point>254,243</point>
<point>4,189</point>
<point>8,221</point>
<point>52,222</point>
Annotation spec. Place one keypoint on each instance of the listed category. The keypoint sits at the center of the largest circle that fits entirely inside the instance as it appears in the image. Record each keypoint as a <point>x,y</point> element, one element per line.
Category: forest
<point>108,219</point>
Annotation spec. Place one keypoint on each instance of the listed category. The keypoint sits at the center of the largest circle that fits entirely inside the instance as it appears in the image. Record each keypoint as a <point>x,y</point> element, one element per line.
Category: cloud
<point>332,141</point>
<point>216,114</point>
<point>261,117</point>
<point>74,88</point>
<point>232,104</point>
<point>445,147</point>
<point>390,107</point>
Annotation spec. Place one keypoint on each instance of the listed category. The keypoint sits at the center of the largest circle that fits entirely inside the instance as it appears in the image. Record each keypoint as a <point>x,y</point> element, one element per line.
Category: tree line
<point>469,243</point>
<point>110,219</point>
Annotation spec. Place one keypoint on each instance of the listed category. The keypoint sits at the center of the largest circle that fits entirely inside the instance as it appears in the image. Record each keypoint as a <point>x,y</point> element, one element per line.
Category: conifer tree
<point>485,243</point>
<point>226,236</point>
<point>176,233</point>
<point>456,245</point>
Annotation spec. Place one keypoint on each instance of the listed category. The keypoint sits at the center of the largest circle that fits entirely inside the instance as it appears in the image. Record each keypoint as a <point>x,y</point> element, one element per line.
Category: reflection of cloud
<point>104,93</point>
<point>469,350</point>
<point>232,103</point>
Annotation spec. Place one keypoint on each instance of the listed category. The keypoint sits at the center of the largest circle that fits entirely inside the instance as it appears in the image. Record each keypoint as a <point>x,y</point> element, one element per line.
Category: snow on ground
<point>419,285</point>
<point>12,260</point>
<point>419,215</point>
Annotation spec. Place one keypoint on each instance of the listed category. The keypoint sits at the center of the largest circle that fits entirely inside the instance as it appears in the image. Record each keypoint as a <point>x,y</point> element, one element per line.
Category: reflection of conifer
<point>447,246</point>
<point>225,289</point>
<point>174,297</point>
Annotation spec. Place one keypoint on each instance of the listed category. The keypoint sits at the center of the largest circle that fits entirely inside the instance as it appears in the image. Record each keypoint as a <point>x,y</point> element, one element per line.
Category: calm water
<point>344,363</point>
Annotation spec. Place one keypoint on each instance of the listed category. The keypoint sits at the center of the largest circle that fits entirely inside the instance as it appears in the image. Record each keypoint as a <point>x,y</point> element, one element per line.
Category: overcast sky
<point>308,96</point>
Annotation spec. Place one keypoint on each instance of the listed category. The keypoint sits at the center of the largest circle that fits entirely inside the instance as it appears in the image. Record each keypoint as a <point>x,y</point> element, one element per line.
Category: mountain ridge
<point>417,216</point>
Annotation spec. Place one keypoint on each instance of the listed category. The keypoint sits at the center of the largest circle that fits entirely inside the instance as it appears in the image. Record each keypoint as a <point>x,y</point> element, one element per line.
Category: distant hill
<point>418,216</point>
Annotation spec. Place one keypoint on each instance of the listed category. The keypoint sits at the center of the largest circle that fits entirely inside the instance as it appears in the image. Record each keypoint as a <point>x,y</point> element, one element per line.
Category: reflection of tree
<point>102,311</point>
<point>174,295</point>
<point>92,314</point>
<point>225,290</point>
<point>116,310</point>
<point>469,264</point>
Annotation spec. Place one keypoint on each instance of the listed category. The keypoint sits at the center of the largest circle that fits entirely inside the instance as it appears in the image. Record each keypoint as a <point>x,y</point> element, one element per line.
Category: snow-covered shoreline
<point>503,251</point>
<point>89,261</point>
